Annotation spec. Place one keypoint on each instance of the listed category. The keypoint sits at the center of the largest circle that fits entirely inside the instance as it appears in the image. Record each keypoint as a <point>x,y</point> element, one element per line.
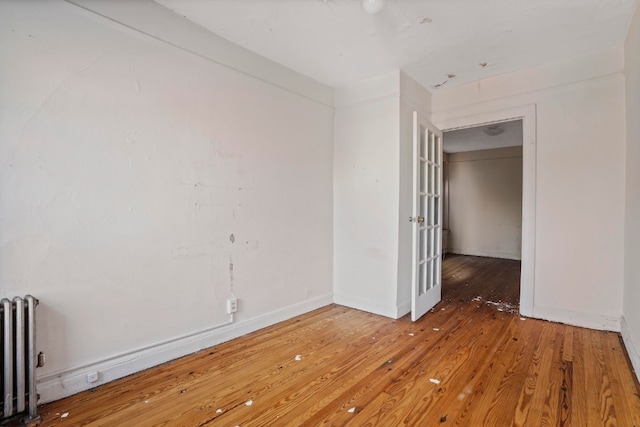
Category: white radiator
<point>19,358</point>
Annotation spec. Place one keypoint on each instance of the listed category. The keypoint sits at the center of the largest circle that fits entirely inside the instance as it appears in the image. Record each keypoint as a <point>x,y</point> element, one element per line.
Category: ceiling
<point>440,43</point>
<point>475,138</point>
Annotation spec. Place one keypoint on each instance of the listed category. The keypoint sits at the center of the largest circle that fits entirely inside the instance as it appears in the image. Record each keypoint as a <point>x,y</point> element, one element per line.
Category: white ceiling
<point>472,139</point>
<point>336,42</point>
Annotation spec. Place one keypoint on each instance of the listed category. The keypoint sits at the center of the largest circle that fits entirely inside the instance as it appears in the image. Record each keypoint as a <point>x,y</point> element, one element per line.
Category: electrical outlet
<point>92,377</point>
<point>232,305</point>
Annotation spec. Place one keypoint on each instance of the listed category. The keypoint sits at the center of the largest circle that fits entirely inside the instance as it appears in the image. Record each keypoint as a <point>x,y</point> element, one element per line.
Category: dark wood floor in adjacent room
<point>472,361</point>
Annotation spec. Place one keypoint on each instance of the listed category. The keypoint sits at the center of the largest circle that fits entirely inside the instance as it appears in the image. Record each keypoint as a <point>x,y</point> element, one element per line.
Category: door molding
<point>526,113</point>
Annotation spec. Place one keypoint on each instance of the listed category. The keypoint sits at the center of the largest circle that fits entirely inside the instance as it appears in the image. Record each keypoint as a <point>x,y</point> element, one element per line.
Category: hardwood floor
<point>471,361</point>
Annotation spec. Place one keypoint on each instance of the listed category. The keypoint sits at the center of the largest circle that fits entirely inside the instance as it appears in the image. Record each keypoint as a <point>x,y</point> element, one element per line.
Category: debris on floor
<point>352,410</point>
<point>298,357</point>
<point>249,402</point>
<point>503,306</point>
<point>500,306</point>
<point>435,381</point>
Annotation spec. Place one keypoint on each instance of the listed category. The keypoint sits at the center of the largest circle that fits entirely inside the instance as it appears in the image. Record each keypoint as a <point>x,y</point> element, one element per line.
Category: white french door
<point>426,217</point>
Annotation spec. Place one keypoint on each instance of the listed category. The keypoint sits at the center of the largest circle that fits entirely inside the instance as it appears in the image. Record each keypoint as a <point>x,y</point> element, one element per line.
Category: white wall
<point>580,178</point>
<point>365,185</point>
<point>485,202</point>
<point>142,185</point>
<point>373,192</point>
<point>631,322</point>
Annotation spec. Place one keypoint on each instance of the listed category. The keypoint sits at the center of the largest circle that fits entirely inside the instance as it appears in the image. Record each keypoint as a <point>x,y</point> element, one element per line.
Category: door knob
<point>419,219</point>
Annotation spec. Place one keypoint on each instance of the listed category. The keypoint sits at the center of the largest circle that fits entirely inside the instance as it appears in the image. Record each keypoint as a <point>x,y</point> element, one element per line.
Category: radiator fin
<point>19,358</point>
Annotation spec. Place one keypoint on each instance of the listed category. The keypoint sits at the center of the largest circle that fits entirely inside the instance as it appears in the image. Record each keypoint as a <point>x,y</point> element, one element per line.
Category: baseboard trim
<point>489,254</point>
<point>66,383</point>
<point>391,311</point>
<point>633,350</point>
<point>584,320</point>
<point>404,309</point>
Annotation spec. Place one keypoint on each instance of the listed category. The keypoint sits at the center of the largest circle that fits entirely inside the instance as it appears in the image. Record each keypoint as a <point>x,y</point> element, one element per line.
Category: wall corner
<point>633,348</point>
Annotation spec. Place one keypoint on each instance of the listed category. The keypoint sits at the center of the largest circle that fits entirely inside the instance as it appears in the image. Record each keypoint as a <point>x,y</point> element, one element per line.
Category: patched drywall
<point>485,202</point>
<point>142,185</point>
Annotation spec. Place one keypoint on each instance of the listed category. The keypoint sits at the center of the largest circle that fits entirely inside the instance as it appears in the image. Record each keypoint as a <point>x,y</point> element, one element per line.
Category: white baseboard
<point>480,252</point>
<point>584,320</point>
<point>391,311</point>
<point>404,309</point>
<point>633,349</point>
<point>62,384</point>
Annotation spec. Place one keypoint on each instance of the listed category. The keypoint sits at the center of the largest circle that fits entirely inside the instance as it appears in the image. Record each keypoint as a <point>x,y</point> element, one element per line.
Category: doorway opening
<point>480,116</point>
<point>482,213</point>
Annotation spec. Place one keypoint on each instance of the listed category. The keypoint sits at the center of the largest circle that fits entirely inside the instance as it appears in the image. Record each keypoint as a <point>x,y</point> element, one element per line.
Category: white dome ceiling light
<point>493,130</point>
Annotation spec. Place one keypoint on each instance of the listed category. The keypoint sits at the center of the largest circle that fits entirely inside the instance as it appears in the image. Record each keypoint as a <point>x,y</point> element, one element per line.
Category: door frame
<point>448,121</point>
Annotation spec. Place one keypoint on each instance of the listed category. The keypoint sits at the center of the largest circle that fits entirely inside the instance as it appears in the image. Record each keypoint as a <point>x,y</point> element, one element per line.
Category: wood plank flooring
<point>471,361</point>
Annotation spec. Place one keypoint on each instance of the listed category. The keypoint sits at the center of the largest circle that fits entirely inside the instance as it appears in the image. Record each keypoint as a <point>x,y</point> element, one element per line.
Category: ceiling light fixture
<point>372,6</point>
<point>493,130</point>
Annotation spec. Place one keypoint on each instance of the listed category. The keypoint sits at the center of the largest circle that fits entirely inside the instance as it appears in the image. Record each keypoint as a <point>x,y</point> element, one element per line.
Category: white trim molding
<point>480,252</point>
<point>391,311</point>
<point>162,25</point>
<point>66,383</point>
<point>601,322</point>
<point>403,309</point>
<point>527,113</point>
<point>633,348</point>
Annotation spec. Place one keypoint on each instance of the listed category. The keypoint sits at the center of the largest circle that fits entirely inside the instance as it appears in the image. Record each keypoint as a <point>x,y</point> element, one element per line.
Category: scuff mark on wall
<point>227,155</point>
<point>59,88</point>
<point>405,26</point>
<point>80,223</point>
<point>251,244</point>
<point>181,252</point>
<point>232,238</point>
